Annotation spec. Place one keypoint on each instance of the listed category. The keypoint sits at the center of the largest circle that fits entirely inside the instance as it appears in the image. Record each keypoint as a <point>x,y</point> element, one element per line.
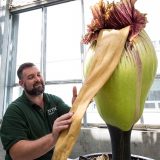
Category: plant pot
<point>94,155</point>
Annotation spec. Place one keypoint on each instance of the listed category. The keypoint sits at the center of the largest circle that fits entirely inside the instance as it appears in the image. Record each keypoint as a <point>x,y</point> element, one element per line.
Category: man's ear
<point>21,83</point>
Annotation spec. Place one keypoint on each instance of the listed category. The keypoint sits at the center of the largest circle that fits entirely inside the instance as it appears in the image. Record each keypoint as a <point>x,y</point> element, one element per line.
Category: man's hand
<point>61,124</point>
<point>74,91</point>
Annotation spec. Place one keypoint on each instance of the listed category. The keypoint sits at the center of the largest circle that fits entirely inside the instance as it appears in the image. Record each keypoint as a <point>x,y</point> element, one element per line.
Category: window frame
<point>13,31</point>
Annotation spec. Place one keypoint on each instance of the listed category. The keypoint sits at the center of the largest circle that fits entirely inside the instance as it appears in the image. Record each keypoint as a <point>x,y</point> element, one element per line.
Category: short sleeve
<point>13,127</point>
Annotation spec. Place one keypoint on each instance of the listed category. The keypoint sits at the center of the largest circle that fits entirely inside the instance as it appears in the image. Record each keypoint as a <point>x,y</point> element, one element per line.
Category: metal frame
<point>5,38</point>
<point>11,60</point>
<point>43,42</point>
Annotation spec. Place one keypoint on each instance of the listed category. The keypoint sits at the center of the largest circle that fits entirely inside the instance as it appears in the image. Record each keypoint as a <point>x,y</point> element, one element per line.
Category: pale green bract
<point>120,102</point>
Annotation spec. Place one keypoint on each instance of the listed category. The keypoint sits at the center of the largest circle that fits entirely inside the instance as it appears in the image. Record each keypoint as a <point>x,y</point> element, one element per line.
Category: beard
<point>38,89</point>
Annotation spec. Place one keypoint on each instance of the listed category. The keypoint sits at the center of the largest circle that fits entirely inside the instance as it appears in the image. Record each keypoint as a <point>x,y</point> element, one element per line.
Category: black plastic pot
<point>94,155</point>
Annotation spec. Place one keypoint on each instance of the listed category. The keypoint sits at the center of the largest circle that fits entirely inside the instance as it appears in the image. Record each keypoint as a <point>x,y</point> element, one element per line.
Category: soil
<point>107,157</point>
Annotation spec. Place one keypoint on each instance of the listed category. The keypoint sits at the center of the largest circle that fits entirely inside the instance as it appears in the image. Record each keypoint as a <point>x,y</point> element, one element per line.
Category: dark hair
<point>22,67</point>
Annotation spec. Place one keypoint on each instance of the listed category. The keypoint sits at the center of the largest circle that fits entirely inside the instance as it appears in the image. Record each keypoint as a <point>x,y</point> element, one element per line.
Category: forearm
<point>29,150</point>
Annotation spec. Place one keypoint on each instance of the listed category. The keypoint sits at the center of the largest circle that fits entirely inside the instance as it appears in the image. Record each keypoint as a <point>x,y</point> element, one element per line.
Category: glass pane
<point>151,118</point>
<point>29,38</point>
<point>16,2</point>
<point>154,94</point>
<point>17,91</point>
<point>64,30</point>
<point>92,114</point>
<point>64,91</point>
<point>152,27</point>
<point>20,3</point>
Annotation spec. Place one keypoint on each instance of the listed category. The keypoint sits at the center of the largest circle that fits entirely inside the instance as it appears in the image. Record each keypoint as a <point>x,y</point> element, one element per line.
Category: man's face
<point>32,81</point>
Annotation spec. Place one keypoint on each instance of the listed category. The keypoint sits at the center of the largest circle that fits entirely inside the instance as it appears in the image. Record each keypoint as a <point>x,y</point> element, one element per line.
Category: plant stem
<point>120,141</point>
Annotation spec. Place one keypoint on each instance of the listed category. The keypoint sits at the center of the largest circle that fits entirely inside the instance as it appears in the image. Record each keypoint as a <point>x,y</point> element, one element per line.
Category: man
<point>32,123</point>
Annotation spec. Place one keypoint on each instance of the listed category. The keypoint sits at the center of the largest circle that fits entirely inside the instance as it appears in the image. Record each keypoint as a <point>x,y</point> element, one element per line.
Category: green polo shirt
<point>24,120</point>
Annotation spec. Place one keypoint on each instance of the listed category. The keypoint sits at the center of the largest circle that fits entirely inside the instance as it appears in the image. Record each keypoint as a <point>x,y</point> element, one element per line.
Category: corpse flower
<point>120,101</point>
<point>119,69</point>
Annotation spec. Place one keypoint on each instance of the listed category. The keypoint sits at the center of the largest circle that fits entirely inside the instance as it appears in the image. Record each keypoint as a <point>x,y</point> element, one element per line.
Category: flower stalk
<point>120,141</point>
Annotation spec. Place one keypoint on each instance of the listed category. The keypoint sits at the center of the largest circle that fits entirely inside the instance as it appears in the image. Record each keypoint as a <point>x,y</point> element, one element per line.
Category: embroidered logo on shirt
<point>52,110</point>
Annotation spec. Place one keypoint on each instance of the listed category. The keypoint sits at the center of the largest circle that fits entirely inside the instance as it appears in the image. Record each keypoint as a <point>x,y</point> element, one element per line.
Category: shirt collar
<point>30,103</point>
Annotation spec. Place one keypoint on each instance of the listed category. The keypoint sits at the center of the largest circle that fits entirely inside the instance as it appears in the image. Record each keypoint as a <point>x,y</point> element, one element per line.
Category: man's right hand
<point>61,124</point>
